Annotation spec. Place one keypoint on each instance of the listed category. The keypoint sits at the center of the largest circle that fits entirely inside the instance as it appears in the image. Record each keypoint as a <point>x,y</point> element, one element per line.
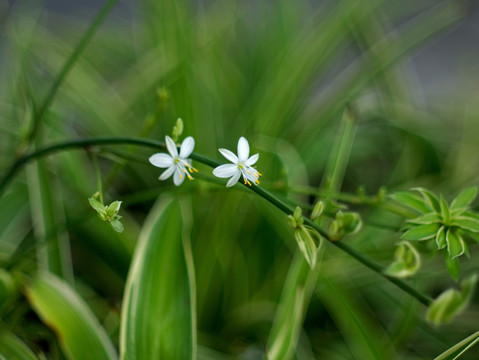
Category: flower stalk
<point>288,210</point>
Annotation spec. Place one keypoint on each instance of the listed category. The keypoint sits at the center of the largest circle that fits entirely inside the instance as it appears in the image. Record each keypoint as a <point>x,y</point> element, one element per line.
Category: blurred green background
<point>279,73</point>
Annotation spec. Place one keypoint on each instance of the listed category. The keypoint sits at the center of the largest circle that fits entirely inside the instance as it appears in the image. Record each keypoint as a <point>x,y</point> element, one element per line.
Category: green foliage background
<point>279,73</point>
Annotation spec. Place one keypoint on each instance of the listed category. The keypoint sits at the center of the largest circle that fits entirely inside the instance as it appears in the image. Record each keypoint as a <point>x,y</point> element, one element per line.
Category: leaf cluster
<point>446,224</point>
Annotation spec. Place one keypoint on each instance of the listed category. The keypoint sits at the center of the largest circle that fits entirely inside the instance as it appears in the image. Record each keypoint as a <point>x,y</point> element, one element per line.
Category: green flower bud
<point>317,210</point>
<point>292,222</point>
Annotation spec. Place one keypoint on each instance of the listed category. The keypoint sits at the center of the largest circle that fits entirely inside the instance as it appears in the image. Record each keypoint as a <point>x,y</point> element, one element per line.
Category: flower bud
<point>317,210</point>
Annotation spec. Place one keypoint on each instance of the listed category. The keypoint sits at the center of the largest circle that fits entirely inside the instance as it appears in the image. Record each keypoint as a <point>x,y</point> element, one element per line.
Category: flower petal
<point>167,173</point>
<point>234,179</point>
<point>161,160</point>
<point>229,155</point>
<point>226,171</point>
<point>243,149</point>
<point>252,160</point>
<point>178,177</point>
<point>171,146</point>
<point>187,147</point>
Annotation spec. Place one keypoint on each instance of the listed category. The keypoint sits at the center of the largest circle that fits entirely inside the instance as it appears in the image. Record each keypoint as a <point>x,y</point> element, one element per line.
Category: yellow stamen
<point>259,173</point>
<point>189,176</point>
<point>257,181</point>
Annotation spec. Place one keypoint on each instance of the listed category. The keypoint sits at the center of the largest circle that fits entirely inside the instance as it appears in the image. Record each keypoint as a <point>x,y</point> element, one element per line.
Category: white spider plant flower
<point>177,165</point>
<point>241,165</point>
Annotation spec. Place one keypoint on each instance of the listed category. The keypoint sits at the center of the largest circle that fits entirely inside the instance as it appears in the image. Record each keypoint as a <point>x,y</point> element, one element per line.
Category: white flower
<point>241,165</point>
<point>177,165</point>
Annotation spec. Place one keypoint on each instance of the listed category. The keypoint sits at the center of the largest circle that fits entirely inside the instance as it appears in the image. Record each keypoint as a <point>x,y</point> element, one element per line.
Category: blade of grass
<point>38,115</point>
<point>158,309</point>
<point>292,307</point>
<point>62,309</point>
<point>460,348</point>
<point>392,49</point>
<point>364,339</point>
<point>53,246</point>
<point>11,347</point>
<point>340,153</point>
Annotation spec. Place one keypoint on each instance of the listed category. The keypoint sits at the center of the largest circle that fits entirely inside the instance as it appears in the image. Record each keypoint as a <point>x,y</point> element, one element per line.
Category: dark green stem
<point>85,143</point>
<point>98,178</point>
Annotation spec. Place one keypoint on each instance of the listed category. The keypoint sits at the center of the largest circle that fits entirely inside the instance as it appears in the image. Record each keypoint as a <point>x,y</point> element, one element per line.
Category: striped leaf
<point>62,309</point>
<point>158,309</point>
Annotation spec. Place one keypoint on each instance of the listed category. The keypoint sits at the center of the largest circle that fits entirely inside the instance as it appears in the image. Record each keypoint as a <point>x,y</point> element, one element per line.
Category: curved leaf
<point>157,312</point>
<point>460,348</point>
<point>455,244</point>
<point>11,347</point>
<point>466,223</point>
<point>412,201</point>
<point>406,261</point>
<point>430,198</point>
<point>452,302</point>
<point>62,309</point>
<point>464,198</point>
<point>421,232</point>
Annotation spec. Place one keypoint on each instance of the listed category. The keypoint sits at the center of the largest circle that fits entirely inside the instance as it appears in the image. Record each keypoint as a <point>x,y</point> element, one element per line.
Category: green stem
<point>85,143</point>
<point>355,200</point>
<point>98,178</point>
<point>38,116</point>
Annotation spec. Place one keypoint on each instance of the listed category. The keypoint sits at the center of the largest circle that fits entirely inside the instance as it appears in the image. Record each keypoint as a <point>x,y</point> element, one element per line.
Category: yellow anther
<point>257,181</point>
<point>259,173</point>
<point>189,176</point>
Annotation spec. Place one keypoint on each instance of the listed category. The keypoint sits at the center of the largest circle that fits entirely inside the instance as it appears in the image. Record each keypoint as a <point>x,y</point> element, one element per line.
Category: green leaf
<point>460,348</point>
<point>8,289</point>
<point>455,244</point>
<point>48,217</point>
<point>412,201</point>
<point>291,310</point>
<point>466,223</point>
<point>12,348</point>
<point>430,218</point>
<point>421,232</point>
<point>444,210</point>
<point>113,208</point>
<point>305,237</point>
<point>406,261</point>
<point>98,206</point>
<point>62,309</point>
<point>158,306</point>
<point>350,222</point>
<point>452,266</point>
<point>465,198</point>
<point>117,225</point>
<point>451,302</point>
<point>352,316</point>
<point>441,238</point>
<point>430,197</point>
<point>443,309</point>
